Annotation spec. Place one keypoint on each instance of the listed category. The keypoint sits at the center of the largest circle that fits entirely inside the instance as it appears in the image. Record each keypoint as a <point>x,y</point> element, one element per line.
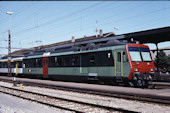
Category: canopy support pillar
<point>157,62</point>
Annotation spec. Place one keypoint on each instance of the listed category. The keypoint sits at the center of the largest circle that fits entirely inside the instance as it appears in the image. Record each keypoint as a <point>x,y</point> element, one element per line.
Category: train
<point>109,63</point>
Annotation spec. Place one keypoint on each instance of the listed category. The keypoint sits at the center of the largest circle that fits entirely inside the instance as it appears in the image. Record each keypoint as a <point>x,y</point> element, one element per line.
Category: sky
<point>35,23</point>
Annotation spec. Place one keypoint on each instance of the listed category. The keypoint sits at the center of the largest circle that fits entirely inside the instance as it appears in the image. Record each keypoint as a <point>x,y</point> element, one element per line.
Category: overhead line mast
<point>9,44</point>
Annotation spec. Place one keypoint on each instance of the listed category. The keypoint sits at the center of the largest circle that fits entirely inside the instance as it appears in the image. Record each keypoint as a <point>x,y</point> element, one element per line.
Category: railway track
<point>139,97</point>
<point>159,85</point>
<point>61,103</point>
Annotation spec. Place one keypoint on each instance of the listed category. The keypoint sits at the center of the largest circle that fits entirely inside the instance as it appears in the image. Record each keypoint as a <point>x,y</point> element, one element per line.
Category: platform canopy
<point>149,36</point>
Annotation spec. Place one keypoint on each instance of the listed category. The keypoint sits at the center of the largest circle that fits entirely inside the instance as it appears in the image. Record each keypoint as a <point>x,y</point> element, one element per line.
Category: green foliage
<point>164,60</point>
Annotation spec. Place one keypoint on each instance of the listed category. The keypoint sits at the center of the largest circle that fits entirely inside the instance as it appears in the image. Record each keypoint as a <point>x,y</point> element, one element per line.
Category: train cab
<point>141,64</point>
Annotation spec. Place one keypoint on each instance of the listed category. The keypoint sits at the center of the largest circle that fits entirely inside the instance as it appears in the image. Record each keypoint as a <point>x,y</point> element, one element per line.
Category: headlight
<point>151,69</point>
<point>135,69</point>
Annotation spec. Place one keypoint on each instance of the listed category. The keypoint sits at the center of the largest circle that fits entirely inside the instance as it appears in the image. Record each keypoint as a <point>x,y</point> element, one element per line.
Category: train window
<point>26,63</point>
<point>55,58</point>
<point>125,59</point>
<point>119,57</point>
<point>13,64</point>
<point>6,65</point>
<point>19,64</point>
<point>56,61</point>
<point>106,58</point>
<point>75,60</point>
<point>109,55</point>
<point>84,60</point>
<point>51,61</point>
<point>38,62</point>
<point>23,65</point>
<point>33,62</point>
<point>2,65</point>
<point>146,56</point>
<point>60,62</point>
<point>135,56</point>
<point>66,61</point>
<point>92,59</point>
<point>30,63</point>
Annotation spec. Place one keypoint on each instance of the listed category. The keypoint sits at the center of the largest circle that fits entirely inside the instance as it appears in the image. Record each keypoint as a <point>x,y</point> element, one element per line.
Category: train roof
<point>69,52</point>
<point>76,47</point>
<point>13,59</point>
<point>43,48</point>
<point>3,60</point>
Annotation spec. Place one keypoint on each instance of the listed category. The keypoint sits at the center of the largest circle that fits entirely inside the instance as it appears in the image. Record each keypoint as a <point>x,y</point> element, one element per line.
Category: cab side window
<point>119,57</point>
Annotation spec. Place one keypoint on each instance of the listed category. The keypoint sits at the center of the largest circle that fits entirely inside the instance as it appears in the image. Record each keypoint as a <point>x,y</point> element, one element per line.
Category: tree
<point>169,63</point>
<point>164,60</point>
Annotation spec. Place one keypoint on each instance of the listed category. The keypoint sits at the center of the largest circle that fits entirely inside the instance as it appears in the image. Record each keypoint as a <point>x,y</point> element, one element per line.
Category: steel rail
<point>159,85</point>
<point>124,95</point>
<point>110,109</point>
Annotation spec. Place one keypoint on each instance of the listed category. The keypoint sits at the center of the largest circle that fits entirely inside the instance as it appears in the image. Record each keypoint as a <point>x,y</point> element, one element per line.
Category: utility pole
<point>9,44</point>
<point>9,53</point>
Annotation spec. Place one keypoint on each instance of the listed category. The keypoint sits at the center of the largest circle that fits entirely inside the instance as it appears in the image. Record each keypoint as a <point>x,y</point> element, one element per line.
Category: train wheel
<point>136,83</point>
<point>145,84</point>
<point>141,83</point>
<point>131,84</point>
<point>114,83</point>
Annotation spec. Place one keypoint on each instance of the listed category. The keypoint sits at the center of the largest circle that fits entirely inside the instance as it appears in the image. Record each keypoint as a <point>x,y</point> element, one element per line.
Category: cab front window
<point>146,56</point>
<point>135,56</point>
<point>138,54</point>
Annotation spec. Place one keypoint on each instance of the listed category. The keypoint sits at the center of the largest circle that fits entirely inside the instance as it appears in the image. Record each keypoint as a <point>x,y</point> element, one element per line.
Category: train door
<point>18,67</point>
<point>118,63</point>
<point>45,66</point>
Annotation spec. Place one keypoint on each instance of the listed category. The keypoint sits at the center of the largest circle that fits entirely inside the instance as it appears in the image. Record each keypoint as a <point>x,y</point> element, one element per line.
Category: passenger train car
<point>16,66</point>
<point>110,63</point>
